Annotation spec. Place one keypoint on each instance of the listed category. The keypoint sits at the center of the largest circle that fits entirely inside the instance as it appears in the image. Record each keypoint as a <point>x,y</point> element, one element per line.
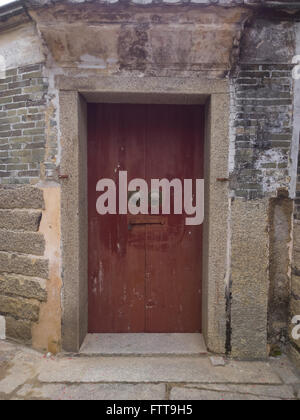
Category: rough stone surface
<point>20,220</point>
<point>27,47</point>
<point>295,306</point>
<point>24,265</point>
<point>18,329</point>
<point>93,392</point>
<point>21,366</point>
<point>285,370</point>
<point>21,198</point>
<point>28,287</point>
<point>294,347</point>
<point>217,361</point>
<point>250,278</point>
<point>281,212</point>
<point>143,344</point>
<point>296,285</point>
<point>157,47</point>
<point>19,308</point>
<point>156,369</point>
<point>294,354</point>
<point>232,392</point>
<point>23,242</point>
<point>22,369</point>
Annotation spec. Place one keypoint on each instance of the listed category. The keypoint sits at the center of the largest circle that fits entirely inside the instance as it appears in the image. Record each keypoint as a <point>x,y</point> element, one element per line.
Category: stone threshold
<point>143,345</point>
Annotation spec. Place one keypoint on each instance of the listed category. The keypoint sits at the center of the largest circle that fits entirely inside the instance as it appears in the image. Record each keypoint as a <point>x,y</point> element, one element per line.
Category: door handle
<point>145,221</point>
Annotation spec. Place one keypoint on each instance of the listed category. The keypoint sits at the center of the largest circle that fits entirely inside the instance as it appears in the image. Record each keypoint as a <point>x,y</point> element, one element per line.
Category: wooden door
<point>146,278</point>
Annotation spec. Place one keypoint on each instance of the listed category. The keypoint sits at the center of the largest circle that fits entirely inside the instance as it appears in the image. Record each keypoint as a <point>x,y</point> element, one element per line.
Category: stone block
<point>94,392</point>
<point>19,308</point>
<point>28,287</point>
<point>250,278</point>
<point>25,197</point>
<point>25,265</point>
<point>295,306</point>
<point>232,392</point>
<point>18,329</point>
<point>23,242</point>
<point>296,285</point>
<point>19,219</point>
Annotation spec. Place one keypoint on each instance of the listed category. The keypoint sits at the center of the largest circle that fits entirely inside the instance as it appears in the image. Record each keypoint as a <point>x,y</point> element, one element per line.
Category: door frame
<point>74,94</point>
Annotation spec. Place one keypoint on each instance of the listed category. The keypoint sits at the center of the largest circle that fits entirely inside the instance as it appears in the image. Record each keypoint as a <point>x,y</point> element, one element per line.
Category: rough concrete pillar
<point>294,348</point>
<point>249,278</point>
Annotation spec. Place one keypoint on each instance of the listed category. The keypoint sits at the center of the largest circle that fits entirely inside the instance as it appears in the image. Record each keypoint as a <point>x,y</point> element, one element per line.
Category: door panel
<point>174,252</point>
<point>116,140</point>
<point>148,278</point>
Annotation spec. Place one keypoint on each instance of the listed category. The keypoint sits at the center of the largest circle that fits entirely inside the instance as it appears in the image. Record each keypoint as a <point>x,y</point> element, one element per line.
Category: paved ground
<point>26,374</point>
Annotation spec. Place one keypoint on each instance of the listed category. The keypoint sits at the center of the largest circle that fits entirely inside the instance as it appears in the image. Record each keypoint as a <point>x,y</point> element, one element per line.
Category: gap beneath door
<point>143,345</point>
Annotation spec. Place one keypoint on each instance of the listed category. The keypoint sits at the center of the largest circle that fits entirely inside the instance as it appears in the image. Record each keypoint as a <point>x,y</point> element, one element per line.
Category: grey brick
<point>10,92</point>
<point>23,126</point>
<point>35,145</point>
<point>32,75</point>
<point>20,98</point>
<point>34,174</point>
<point>11,133</point>
<point>23,83</point>
<point>6,100</point>
<point>33,132</point>
<point>30,68</point>
<point>5,174</point>
<point>15,105</point>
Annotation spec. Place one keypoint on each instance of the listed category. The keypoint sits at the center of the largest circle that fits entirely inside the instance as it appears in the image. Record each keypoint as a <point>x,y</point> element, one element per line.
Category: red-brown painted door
<point>146,278</point>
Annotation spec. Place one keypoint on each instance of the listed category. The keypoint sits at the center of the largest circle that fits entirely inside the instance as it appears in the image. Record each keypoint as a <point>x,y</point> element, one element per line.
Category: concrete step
<point>143,345</point>
<point>154,370</point>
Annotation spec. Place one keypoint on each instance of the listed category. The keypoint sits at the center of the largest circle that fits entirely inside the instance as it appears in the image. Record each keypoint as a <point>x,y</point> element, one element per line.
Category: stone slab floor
<point>29,375</point>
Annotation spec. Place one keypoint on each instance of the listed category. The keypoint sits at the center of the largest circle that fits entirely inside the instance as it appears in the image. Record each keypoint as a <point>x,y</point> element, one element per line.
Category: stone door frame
<point>74,93</point>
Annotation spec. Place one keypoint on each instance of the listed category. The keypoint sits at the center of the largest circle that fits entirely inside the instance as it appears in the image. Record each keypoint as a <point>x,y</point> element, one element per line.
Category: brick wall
<point>25,152</point>
<point>263,126</point>
<point>23,269</point>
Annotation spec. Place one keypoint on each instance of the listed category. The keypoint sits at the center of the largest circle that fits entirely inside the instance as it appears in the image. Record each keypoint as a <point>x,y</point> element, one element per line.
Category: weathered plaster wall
<point>156,41</point>
<point>21,46</point>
